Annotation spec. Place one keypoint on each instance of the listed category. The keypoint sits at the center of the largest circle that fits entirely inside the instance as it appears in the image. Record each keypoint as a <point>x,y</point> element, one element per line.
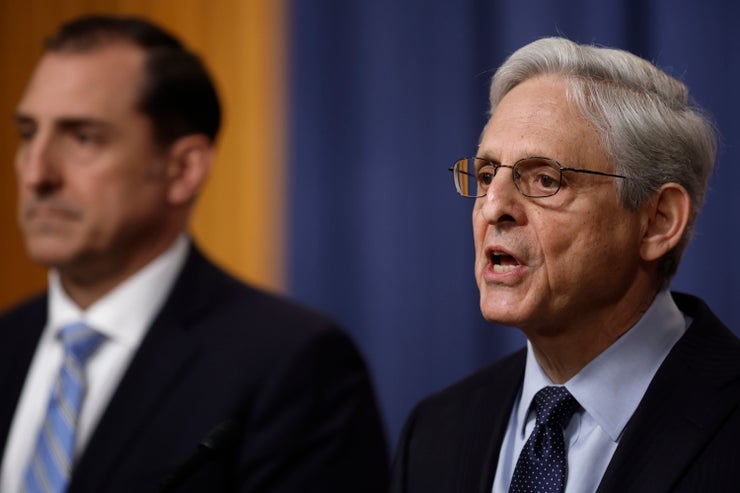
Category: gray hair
<point>647,124</point>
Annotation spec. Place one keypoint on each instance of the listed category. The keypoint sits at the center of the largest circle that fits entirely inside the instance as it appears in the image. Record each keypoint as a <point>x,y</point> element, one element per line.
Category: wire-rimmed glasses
<point>534,177</point>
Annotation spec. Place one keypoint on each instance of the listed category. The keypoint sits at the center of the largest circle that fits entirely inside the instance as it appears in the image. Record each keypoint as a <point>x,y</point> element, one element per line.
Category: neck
<point>563,353</point>
<point>94,280</point>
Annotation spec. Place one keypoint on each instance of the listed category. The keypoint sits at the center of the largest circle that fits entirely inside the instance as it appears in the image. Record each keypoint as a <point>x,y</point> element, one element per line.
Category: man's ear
<point>189,161</point>
<point>667,216</point>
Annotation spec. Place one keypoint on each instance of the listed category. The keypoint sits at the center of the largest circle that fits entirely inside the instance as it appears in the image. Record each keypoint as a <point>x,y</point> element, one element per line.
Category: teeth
<point>502,262</point>
<point>503,268</point>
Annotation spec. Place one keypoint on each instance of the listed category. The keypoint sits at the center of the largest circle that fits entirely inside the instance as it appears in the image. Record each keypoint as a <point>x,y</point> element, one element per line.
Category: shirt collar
<point>124,314</point>
<point>610,387</point>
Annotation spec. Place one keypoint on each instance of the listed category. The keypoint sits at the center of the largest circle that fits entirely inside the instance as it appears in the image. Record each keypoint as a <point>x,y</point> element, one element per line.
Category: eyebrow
<point>21,118</point>
<point>485,157</point>
<point>66,123</point>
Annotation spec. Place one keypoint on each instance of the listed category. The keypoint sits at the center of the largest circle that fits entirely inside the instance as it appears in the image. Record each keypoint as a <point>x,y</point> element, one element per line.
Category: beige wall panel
<point>239,218</point>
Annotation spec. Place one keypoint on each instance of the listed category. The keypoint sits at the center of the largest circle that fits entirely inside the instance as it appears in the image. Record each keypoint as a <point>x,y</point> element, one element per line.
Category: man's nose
<point>37,164</point>
<point>502,200</point>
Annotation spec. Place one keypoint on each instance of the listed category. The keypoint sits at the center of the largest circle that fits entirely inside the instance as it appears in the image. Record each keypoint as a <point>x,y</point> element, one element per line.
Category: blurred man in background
<point>145,365</point>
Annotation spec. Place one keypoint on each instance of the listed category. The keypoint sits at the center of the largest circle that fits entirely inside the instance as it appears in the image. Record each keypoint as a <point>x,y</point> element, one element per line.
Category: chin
<point>48,261</point>
<point>48,254</point>
<point>504,306</point>
<point>497,313</point>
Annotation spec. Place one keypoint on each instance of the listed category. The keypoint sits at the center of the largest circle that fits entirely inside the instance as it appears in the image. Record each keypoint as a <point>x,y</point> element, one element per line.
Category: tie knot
<point>554,406</point>
<point>80,340</point>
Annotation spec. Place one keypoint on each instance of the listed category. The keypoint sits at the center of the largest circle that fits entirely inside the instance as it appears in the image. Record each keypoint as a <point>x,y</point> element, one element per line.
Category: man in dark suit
<point>190,380</point>
<point>587,183</point>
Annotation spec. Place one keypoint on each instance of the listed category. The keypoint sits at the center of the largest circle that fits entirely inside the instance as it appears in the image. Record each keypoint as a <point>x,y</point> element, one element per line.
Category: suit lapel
<point>158,366</point>
<point>488,417</point>
<point>688,399</point>
<point>21,331</point>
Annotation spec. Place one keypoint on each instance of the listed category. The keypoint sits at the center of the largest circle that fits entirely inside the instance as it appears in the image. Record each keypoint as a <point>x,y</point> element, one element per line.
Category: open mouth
<point>503,262</point>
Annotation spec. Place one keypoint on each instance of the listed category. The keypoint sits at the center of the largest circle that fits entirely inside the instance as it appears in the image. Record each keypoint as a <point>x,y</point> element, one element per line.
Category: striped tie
<point>51,463</point>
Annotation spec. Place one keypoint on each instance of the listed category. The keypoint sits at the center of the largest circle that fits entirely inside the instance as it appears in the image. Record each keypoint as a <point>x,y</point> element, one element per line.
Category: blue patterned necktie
<point>51,463</point>
<point>542,466</point>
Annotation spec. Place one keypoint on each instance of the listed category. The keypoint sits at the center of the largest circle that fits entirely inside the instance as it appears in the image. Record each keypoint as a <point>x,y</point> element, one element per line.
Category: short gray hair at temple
<point>649,128</point>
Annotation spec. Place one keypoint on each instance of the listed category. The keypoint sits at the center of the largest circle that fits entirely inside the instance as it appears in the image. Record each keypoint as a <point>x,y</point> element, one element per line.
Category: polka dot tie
<point>542,466</point>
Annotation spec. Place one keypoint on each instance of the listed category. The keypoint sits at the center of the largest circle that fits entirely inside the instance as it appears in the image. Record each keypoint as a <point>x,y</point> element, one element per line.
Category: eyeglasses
<point>534,177</point>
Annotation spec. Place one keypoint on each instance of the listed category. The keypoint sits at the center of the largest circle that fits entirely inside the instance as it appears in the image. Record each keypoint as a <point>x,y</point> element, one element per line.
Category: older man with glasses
<point>586,183</point>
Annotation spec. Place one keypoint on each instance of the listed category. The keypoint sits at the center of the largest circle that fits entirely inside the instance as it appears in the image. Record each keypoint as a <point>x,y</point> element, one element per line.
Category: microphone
<point>219,439</point>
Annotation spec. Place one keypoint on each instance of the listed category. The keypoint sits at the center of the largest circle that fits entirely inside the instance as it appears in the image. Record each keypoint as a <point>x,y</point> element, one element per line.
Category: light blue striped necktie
<point>51,463</point>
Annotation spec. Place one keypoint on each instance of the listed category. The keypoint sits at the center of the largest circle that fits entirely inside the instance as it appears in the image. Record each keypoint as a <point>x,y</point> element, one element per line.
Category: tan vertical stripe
<point>239,219</point>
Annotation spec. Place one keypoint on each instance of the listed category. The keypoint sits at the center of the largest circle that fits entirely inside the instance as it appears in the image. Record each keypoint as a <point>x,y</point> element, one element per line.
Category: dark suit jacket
<point>219,350</point>
<point>683,437</point>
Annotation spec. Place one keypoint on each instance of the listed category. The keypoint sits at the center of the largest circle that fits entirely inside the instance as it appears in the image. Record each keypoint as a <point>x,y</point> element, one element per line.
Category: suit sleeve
<point>315,426</point>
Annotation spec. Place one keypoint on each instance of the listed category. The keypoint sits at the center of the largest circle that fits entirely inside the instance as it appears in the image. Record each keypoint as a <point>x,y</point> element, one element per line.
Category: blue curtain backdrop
<point>385,94</point>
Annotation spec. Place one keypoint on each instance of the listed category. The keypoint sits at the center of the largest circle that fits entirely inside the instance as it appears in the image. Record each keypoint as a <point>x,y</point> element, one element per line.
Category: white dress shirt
<point>123,316</point>
<point>609,390</point>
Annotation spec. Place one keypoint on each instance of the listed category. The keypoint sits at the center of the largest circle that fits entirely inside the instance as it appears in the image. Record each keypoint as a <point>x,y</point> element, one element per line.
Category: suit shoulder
<point>229,309</point>
<point>707,335</point>
<point>206,286</point>
<point>464,420</point>
<point>500,377</point>
<point>30,308</point>
<point>257,306</point>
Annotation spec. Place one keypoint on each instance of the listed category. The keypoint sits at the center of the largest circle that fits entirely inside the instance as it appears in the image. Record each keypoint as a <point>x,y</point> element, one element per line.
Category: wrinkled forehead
<point>537,118</point>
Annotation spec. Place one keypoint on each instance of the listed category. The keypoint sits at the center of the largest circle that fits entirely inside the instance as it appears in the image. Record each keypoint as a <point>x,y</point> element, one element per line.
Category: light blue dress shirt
<point>609,389</point>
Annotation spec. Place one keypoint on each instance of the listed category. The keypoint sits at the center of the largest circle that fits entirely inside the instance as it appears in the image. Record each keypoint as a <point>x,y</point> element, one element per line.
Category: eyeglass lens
<point>533,177</point>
